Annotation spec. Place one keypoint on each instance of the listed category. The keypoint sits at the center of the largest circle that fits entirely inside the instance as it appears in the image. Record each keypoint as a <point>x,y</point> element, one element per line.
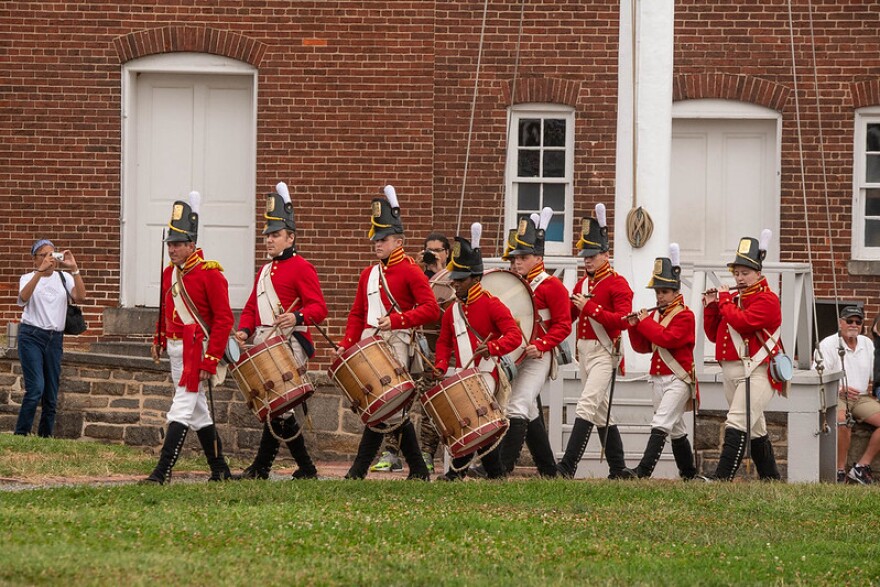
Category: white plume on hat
<point>195,201</point>
<point>600,215</point>
<point>476,233</point>
<point>391,195</point>
<point>764,241</point>
<point>536,219</point>
<point>675,254</point>
<point>281,190</point>
<point>546,215</point>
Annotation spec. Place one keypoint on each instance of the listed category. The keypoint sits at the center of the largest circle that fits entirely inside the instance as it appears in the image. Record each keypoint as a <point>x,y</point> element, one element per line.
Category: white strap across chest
<point>665,354</point>
<point>463,340</point>
<point>179,304</point>
<point>375,307</point>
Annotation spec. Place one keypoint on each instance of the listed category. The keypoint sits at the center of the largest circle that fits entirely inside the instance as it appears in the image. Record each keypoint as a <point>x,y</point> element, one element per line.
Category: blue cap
<point>40,244</point>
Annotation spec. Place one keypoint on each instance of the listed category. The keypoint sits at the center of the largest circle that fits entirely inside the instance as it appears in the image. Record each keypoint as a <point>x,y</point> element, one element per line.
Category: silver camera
<point>58,256</point>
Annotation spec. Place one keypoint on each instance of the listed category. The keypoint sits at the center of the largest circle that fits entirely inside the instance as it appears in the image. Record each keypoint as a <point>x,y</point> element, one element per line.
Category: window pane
<point>554,164</point>
<point>872,168</point>
<point>556,228</point>
<point>530,132</point>
<point>527,163</point>
<point>528,197</point>
<point>872,202</point>
<point>872,233</point>
<point>554,132</point>
<point>554,196</point>
<point>872,136</point>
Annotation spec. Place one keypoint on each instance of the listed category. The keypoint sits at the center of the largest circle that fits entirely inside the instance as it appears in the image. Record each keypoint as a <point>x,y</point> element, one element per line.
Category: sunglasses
<point>854,321</point>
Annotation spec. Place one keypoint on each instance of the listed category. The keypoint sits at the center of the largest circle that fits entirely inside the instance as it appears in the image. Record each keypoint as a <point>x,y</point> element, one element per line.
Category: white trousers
<point>188,408</point>
<point>596,369</point>
<point>527,385</point>
<point>735,391</point>
<point>671,396</point>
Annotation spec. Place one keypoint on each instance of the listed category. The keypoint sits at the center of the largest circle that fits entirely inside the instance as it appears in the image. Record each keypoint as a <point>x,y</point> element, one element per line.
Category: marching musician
<point>476,327</point>
<point>286,298</point>
<point>745,327</point>
<point>554,326</point>
<point>600,320</point>
<point>194,330</point>
<point>393,297</point>
<point>668,333</point>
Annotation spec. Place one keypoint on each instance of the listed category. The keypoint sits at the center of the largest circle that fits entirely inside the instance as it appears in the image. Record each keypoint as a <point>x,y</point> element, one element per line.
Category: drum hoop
<point>352,350</point>
<point>259,348</point>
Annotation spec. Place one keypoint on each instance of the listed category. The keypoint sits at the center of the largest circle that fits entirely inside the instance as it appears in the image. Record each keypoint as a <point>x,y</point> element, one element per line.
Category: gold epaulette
<point>212,265</point>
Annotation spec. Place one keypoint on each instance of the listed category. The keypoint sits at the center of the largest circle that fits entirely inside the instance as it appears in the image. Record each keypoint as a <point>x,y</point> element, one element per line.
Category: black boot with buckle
<point>169,454</point>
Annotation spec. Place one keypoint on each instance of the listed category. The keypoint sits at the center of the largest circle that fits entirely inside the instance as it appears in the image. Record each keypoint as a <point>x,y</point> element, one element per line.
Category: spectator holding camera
<point>44,294</point>
<point>856,402</point>
<point>435,255</point>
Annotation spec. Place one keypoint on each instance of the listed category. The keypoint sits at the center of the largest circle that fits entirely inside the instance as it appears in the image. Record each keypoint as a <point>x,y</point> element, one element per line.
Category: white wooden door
<point>724,186</point>
<point>193,132</point>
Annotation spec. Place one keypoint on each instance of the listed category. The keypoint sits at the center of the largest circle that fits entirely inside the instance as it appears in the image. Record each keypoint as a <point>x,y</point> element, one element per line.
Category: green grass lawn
<point>411,533</point>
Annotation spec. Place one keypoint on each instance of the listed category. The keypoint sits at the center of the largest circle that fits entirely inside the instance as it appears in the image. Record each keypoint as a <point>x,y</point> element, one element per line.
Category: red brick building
<point>340,98</point>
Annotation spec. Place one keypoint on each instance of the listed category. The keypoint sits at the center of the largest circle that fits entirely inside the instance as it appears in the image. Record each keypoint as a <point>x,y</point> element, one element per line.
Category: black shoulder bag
<point>75,323</point>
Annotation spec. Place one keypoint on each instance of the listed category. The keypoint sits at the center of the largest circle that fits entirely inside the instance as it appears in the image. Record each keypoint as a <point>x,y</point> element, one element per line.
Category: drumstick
<point>388,313</point>
<point>275,328</point>
<point>324,334</point>
<point>427,361</point>
<point>483,345</point>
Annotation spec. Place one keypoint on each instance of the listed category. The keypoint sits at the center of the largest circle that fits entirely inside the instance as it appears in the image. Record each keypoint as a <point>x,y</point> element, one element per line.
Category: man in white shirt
<point>855,391</point>
<point>44,294</point>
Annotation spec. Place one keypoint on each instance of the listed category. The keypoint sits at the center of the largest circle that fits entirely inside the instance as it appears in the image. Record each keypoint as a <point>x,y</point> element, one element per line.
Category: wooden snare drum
<point>271,379</point>
<point>375,382</point>
<point>464,412</point>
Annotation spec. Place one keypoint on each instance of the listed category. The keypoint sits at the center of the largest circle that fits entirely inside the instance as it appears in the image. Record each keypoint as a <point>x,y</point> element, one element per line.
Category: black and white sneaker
<point>841,475</point>
<point>860,474</point>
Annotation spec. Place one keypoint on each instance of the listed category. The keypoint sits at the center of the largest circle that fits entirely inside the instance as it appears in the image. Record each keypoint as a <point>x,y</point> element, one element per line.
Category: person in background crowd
<point>857,404</point>
<point>44,293</point>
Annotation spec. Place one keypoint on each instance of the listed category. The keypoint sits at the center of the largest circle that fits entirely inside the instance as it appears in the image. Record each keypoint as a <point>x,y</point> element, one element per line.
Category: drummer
<point>435,256</point>
<point>600,320</point>
<point>392,298</point>
<point>554,326</point>
<point>479,329</point>
<point>286,298</point>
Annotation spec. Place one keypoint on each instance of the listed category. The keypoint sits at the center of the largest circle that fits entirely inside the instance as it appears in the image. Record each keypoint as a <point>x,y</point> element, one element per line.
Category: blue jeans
<point>40,354</point>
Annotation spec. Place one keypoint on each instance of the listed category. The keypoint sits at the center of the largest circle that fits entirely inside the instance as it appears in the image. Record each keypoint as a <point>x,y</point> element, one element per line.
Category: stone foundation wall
<point>124,400</point>
<point>710,436</point>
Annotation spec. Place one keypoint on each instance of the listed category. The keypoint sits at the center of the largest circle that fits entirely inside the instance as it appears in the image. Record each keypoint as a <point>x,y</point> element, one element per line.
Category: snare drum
<point>375,382</point>
<point>515,293</point>
<point>271,379</point>
<point>464,412</point>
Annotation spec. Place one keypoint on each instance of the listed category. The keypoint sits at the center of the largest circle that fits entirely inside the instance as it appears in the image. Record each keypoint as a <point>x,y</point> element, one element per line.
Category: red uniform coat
<point>410,289</point>
<point>611,301</point>
<point>552,295</point>
<point>749,313</point>
<point>679,337</point>
<point>292,278</point>
<point>209,292</point>
<point>486,315</point>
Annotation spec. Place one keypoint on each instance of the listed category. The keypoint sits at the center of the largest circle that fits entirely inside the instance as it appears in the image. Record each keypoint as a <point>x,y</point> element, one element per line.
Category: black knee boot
<point>610,438</point>
<point>493,465</point>
<point>458,469</point>
<point>409,446</point>
<point>170,452</point>
<point>574,450</point>
<point>266,453</point>
<point>367,450</point>
<point>539,445</point>
<point>297,447</point>
<point>732,453</point>
<point>512,443</point>
<point>684,457</point>
<point>219,468</point>
<point>651,457</point>
<point>765,461</point>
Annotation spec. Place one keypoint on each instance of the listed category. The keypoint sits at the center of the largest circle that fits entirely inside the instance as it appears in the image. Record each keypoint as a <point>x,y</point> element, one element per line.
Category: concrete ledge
<point>135,321</point>
<point>863,267</point>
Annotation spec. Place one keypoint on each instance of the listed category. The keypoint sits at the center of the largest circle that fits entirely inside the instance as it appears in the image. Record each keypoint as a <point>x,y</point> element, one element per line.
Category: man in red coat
<point>286,295</point>
<point>745,330</point>
<point>479,329</point>
<point>554,325</point>
<point>600,320</point>
<point>668,333</point>
<point>197,322</point>
<point>393,297</point>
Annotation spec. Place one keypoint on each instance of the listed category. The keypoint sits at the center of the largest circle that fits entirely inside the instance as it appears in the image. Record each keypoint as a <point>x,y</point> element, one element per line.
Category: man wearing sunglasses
<point>856,402</point>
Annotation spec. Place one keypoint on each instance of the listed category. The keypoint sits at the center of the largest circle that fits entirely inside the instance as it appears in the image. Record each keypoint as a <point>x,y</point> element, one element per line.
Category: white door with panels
<point>191,132</point>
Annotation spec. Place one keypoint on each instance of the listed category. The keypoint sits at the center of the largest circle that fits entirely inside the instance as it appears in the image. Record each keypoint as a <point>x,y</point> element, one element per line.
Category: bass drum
<point>441,285</point>
<point>515,293</point>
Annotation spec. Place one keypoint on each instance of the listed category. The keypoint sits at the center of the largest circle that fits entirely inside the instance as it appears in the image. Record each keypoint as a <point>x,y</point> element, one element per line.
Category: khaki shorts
<point>865,407</point>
